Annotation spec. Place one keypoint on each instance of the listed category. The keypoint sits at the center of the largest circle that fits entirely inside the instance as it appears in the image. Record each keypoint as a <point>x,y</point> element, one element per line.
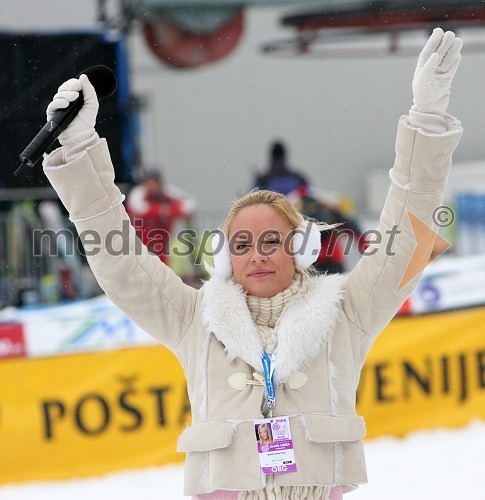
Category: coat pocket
<point>333,428</point>
<point>207,436</point>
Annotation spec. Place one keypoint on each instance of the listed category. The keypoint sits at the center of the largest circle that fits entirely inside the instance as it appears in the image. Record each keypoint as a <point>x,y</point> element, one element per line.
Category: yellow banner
<point>80,415</point>
<point>425,372</point>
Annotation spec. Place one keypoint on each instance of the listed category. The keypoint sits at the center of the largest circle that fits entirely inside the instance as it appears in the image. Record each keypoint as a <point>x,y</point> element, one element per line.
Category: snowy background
<point>445,464</point>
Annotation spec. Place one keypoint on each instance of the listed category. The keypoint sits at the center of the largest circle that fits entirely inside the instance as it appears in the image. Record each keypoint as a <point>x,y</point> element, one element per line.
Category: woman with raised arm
<point>264,340</point>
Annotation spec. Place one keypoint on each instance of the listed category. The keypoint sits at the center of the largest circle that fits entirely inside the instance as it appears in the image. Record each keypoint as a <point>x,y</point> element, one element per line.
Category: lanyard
<point>268,370</point>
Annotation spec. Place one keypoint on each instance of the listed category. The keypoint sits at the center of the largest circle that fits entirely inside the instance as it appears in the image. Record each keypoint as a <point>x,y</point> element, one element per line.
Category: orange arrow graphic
<point>429,246</point>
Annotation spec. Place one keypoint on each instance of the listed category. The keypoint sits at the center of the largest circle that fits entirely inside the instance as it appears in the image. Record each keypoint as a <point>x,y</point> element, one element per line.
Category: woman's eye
<point>272,242</point>
<point>242,246</point>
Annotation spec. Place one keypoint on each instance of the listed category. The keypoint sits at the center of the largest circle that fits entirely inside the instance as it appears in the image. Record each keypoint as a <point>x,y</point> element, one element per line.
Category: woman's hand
<point>82,127</point>
<point>436,67</point>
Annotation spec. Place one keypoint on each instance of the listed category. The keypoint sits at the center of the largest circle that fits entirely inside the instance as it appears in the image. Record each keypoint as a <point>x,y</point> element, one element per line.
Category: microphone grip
<point>40,143</point>
<point>50,132</point>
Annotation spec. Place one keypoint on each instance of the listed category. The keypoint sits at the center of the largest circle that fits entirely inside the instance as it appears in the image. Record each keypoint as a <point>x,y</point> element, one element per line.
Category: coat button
<point>238,381</point>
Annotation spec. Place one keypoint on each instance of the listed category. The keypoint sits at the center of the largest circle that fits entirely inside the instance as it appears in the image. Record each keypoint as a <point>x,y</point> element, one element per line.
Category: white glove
<point>436,67</point>
<point>81,129</point>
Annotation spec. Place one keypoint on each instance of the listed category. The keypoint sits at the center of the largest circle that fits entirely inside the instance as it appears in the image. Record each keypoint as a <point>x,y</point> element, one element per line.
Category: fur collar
<point>305,326</point>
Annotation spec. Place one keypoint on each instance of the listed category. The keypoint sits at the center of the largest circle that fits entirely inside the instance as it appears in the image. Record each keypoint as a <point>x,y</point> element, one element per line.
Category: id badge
<point>275,446</point>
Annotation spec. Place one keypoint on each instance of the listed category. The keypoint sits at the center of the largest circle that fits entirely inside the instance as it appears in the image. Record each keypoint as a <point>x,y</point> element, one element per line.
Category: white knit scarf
<point>266,312</point>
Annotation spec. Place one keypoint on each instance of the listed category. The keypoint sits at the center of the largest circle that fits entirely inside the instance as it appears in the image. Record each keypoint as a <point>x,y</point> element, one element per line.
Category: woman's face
<point>259,242</point>
<point>263,433</point>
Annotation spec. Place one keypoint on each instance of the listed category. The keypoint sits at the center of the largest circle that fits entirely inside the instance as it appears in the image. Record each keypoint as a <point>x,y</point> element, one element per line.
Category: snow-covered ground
<point>447,464</point>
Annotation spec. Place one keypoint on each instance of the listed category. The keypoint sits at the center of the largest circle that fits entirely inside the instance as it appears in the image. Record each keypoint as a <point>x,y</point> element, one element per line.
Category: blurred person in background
<point>155,209</point>
<point>262,314</point>
<point>279,176</point>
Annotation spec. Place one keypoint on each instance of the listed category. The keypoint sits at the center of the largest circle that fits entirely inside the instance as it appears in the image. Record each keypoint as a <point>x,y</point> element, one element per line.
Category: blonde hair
<point>278,202</point>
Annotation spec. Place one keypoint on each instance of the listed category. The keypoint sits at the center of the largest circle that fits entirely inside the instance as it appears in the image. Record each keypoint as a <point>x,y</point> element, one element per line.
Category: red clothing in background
<point>154,213</point>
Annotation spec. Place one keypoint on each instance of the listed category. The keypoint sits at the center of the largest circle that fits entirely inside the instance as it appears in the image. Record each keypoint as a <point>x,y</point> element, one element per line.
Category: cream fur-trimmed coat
<point>325,334</point>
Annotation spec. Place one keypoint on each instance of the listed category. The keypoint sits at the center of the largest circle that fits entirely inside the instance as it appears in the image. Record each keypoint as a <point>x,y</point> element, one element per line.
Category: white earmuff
<point>221,255</point>
<point>305,245</point>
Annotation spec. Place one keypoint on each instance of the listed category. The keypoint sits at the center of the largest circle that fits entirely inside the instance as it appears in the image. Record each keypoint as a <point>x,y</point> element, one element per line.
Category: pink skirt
<point>335,494</point>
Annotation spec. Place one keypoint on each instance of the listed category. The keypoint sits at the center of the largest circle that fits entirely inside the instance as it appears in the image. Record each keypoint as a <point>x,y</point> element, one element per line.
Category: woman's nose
<point>257,254</point>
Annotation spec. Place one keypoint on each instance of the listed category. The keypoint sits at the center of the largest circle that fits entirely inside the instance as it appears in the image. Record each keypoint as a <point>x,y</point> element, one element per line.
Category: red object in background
<point>12,341</point>
<point>406,309</point>
<point>182,49</point>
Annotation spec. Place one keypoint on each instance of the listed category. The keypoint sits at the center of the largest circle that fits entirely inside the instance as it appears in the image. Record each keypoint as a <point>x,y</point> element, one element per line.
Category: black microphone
<point>104,82</point>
